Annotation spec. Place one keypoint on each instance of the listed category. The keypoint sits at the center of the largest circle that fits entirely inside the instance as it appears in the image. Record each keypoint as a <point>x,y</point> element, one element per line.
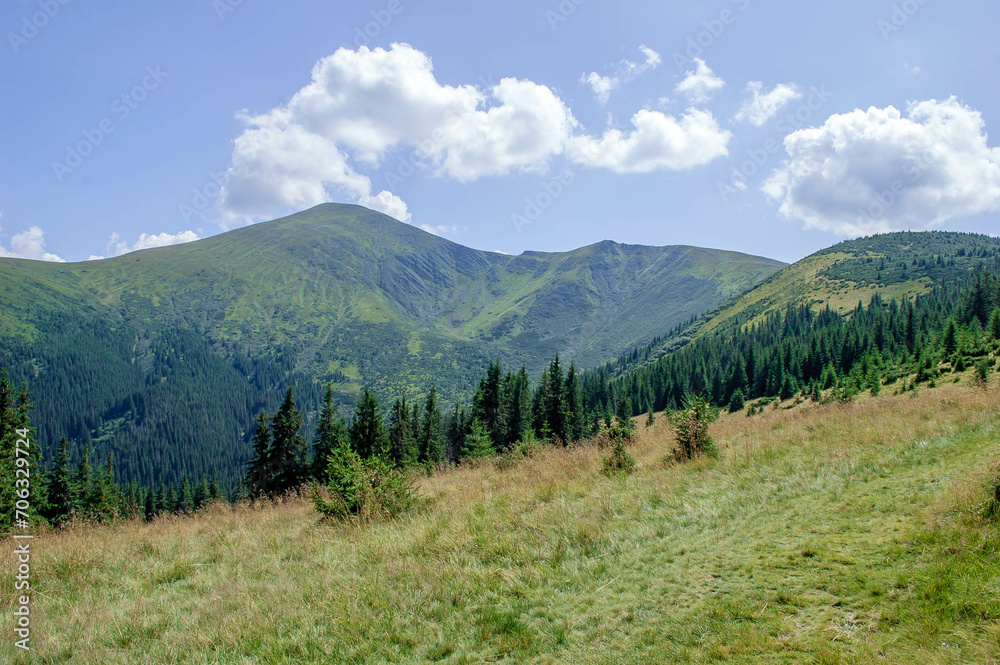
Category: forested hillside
<point>164,357</point>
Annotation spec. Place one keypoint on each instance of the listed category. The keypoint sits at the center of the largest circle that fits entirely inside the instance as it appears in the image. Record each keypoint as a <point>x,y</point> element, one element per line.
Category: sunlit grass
<point>822,534</point>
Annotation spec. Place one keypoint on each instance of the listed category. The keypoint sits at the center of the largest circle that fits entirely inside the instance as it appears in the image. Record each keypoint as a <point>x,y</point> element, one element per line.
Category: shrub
<point>365,489</point>
<point>738,401</point>
<point>691,428</point>
<point>619,461</point>
<point>526,448</point>
<point>983,368</point>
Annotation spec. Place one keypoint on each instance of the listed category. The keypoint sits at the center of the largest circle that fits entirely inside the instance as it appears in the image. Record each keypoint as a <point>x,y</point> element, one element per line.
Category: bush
<point>738,401</point>
<point>526,448</point>
<point>983,368</point>
<point>365,489</point>
<point>619,461</point>
<point>691,428</point>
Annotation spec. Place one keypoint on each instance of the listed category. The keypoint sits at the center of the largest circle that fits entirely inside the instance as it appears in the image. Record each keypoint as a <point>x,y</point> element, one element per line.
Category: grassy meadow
<point>822,534</point>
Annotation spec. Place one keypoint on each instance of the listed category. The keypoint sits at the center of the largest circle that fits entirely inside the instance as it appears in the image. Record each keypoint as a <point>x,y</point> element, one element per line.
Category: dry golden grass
<point>838,533</point>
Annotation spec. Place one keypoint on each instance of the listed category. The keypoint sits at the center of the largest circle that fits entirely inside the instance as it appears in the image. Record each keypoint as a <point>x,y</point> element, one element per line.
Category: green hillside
<point>182,345</point>
<point>834,534</point>
<point>897,266</point>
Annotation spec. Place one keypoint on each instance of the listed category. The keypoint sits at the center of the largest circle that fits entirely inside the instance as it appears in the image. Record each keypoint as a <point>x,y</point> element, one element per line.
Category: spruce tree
<point>369,437</point>
<point>402,442</point>
<point>575,419</point>
<point>288,446</point>
<point>201,496</point>
<point>259,476</point>
<point>477,443</point>
<point>950,341</point>
<point>185,501</point>
<point>61,500</point>
<point>214,491</point>
<point>149,510</point>
<point>993,328</point>
<point>331,431</point>
<point>519,415</point>
<point>82,480</point>
<point>431,440</point>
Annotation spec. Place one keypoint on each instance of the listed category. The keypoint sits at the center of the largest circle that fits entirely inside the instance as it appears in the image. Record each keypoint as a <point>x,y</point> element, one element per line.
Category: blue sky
<point>774,128</point>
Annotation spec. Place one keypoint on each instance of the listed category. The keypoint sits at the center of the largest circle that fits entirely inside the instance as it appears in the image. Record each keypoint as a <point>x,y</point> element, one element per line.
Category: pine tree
<point>519,415</point>
<point>575,419</point>
<point>554,402</point>
<point>331,431</point>
<point>369,437</point>
<point>8,447</point>
<point>82,481</point>
<point>993,328</point>
<point>149,510</point>
<point>402,441</point>
<point>431,440</point>
<point>214,491</point>
<point>288,446</point>
<point>477,443</point>
<point>950,341</point>
<point>259,476</point>
<point>185,501</point>
<point>61,501</point>
<point>201,493</point>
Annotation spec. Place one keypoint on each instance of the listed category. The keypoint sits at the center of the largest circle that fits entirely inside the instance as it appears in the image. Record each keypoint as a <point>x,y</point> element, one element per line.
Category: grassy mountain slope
<point>896,265</point>
<point>822,534</point>
<point>182,345</point>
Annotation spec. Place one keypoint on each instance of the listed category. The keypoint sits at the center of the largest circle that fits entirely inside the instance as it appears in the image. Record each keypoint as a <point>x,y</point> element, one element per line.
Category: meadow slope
<point>821,534</point>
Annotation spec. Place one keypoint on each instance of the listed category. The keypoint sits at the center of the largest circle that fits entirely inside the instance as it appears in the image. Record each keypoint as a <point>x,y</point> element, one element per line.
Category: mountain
<point>163,356</point>
<point>897,266</point>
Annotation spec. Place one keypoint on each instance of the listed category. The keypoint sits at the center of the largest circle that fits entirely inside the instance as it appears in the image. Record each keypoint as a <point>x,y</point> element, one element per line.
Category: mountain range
<point>162,357</point>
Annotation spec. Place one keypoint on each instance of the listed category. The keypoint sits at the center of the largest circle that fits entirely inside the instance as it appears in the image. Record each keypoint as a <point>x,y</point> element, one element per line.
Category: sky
<point>774,128</point>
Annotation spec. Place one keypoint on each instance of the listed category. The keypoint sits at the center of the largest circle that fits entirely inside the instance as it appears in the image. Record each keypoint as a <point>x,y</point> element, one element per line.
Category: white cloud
<point>117,246</point>
<point>700,84</point>
<point>440,229</point>
<point>601,85</point>
<point>659,141</point>
<point>366,107</point>
<point>29,244</point>
<point>876,171</point>
<point>624,71</point>
<point>360,105</point>
<point>759,108</point>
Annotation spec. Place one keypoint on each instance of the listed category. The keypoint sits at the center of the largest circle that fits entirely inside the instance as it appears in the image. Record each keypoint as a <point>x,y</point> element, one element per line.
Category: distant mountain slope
<point>896,265</point>
<point>163,356</point>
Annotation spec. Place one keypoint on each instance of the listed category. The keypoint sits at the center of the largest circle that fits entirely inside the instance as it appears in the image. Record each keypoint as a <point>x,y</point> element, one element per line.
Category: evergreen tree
<point>214,491</point>
<point>331,433</point>
<point>201,497</point>
<point>82,481</point>
<point>185,501</point>
<point>402,440</point>
<point>368,434</point>
<point>519,415</point>
<point>259,476</point>
<point>61,495</point>
<point>477,443</point>
<point>950,340</point>
<point>288,446</point>
<point>149,510</point>
<point>993,327</point>
<point>575,419</point>
<point>431,441</point>
<point>554,400</point>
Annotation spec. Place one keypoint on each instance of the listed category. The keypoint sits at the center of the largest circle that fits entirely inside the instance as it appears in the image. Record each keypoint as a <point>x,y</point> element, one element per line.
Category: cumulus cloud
<point>623,72</point>
<point>877,171</point>
<point>360,105</point>
<point>366,107</point>
<point>700,84</point>
<point>116,246</point>
<point>29,244</point>
<point>442,230</point>
<point>759,108</point>
<point>658,142</point>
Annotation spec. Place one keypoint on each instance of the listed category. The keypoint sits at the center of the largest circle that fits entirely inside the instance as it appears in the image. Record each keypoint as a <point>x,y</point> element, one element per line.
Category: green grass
<point>822,534</point>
